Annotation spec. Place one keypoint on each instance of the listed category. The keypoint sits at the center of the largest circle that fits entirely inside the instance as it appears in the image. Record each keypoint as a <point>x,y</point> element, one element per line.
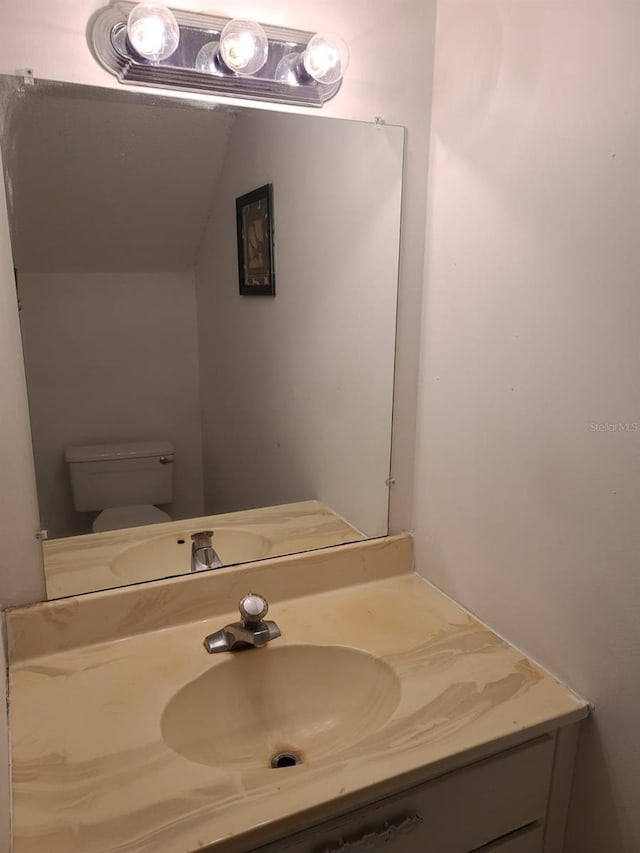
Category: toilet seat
<point>118,517</point>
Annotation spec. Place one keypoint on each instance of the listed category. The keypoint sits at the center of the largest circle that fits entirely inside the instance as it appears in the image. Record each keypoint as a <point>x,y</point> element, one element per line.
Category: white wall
<point>305,410</point>
<point>102,366</point>
<point>524,512</point>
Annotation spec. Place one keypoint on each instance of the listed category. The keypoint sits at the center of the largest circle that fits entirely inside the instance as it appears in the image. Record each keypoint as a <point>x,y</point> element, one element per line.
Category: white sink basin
<point>305,699</point>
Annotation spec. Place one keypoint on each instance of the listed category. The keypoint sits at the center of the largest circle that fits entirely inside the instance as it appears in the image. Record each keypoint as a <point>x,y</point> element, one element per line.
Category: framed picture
<point>254,220</point>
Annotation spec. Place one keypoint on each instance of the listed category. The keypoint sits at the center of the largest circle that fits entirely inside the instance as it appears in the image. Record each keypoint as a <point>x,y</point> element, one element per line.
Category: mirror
<point>273,413</point>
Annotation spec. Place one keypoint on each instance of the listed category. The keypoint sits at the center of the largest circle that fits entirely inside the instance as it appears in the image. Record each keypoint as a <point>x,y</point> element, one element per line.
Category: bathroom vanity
<point>418,729</point>
<point>503,798</point>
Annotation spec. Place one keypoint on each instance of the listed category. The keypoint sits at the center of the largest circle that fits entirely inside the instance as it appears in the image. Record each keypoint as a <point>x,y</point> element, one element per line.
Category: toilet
<point>124,481</point>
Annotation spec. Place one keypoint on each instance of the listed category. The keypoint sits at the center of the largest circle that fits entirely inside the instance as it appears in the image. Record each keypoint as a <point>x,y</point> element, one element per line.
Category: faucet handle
<point>253,607</point>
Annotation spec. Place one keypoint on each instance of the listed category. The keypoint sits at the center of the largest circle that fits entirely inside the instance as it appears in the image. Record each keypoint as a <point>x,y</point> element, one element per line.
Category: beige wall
<point>526,510</point>
<point>305,411</point>
<point>110,357</point>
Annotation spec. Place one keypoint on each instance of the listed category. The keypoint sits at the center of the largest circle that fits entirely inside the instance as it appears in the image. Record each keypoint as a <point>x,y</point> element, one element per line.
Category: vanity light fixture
<point>149,44</point>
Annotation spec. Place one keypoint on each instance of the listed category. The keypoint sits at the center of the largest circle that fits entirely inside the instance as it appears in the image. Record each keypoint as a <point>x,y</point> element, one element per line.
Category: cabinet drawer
<point>456,813</point>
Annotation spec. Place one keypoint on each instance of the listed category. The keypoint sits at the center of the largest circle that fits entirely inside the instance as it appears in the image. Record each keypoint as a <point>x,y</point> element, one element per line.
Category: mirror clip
<point>27,75</point>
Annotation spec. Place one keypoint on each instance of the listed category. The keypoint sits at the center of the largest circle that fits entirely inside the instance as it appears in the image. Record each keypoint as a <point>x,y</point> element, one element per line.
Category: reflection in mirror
<point>163,403</point>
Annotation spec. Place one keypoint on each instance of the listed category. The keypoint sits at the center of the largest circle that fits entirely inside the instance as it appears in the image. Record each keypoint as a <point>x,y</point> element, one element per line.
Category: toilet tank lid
<point>123,450</point>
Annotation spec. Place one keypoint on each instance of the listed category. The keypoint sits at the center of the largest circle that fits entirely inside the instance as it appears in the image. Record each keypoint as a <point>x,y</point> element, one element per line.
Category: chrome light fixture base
<point>110,44</point>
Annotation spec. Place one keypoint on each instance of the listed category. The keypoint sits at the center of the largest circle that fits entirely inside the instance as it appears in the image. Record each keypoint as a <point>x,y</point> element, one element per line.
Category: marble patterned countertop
<point>90,680</point>
<point>78,564</point>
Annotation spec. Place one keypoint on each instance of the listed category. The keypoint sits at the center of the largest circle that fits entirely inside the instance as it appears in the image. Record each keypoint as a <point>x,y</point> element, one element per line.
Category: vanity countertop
<point>79,564</point>
<point>93,774</point>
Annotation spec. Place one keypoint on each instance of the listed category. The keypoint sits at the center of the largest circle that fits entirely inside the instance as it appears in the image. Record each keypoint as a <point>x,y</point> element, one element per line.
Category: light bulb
<point>153,31</point>
<point>244,46</point>
<point>288,69</point>
<point>326,57</point>
<point>208,59</point>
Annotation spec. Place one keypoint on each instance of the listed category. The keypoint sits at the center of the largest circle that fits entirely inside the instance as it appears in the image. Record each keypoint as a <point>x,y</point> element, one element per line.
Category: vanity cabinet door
<point>456,813</point>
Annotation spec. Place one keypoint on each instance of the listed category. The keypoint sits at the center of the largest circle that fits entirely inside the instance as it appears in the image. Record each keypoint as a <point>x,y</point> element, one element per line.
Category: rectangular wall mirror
<point>164,403</point>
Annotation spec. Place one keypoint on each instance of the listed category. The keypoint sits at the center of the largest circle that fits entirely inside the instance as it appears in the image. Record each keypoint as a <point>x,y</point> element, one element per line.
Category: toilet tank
<point>112,475</point>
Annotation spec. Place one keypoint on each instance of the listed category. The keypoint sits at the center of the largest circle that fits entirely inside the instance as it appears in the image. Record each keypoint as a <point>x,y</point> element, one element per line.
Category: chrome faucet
<point>203,555</point>
<point>253,630</point>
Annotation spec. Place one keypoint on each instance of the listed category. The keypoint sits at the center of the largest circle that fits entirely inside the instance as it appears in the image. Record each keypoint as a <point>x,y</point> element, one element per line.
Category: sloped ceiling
<point>112,184</point>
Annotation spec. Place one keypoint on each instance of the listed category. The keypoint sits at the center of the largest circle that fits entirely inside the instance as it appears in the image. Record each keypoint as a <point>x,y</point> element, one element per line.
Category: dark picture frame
<point>254,223</point>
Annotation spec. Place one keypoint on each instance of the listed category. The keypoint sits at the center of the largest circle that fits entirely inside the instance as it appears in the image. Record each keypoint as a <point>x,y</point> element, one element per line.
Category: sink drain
<point>285,759</point>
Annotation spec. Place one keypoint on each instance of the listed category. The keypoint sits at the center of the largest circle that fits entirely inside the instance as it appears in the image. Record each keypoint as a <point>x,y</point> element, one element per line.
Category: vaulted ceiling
<point>110,184</point>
